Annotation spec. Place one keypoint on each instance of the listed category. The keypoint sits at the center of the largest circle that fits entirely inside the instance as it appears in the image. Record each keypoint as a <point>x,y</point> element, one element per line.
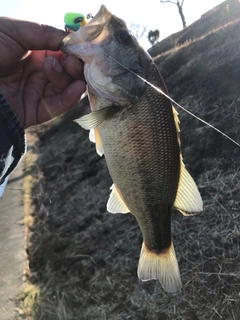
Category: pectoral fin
<point>115,202</point>
<point>94,136</point>
<point>93,119</point>
<point>188,200</point>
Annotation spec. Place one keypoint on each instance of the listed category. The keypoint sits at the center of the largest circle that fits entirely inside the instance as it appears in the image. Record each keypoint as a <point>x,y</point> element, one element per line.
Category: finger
<point>31,35</point>
<point>56,73</point>
<point>73,66</point>
<point>51,107</point>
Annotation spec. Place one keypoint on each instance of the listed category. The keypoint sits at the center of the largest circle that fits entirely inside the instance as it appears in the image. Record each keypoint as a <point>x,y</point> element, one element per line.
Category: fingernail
<point>56,66</point>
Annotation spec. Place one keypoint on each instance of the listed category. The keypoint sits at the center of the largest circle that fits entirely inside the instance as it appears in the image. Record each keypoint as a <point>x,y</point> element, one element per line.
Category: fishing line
<point>184,109</point>
<point>189,112</point>
<point>164,94</point>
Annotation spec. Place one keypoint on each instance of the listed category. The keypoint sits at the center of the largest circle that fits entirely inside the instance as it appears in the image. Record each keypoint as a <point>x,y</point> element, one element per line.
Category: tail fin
<point>163,267</point>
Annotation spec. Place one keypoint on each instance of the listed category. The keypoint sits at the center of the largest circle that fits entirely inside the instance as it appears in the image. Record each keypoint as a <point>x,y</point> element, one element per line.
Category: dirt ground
<point>12,257</point>
<point>83,260</point>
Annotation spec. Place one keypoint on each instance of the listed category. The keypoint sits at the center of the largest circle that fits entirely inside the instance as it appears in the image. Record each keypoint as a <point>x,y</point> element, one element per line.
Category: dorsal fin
<point>188,200</point>
<point>177,123</point>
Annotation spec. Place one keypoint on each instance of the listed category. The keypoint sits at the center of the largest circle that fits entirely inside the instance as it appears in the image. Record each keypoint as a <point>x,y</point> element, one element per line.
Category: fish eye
<point>124,37</point>
<point>78,20</point>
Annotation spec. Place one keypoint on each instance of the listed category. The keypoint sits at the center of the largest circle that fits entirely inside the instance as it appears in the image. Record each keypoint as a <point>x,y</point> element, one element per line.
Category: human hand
<point>42,83</point>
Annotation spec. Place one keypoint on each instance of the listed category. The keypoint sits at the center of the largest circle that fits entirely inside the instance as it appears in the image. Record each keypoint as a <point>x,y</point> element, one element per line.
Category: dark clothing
<point>12,139</point>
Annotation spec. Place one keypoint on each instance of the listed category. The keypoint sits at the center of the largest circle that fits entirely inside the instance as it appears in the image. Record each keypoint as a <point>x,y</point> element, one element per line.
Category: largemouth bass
<point>137,129</point>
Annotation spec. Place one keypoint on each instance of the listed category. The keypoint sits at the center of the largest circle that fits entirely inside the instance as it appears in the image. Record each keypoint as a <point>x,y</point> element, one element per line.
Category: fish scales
<point>137,130</point>
<point>143,156</point>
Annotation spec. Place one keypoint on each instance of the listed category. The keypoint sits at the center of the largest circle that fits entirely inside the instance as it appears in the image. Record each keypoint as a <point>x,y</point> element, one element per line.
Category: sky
<point>149,13</point>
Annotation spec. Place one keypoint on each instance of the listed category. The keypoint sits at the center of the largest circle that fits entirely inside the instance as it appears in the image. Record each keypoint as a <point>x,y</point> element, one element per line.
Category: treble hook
<point>89,16</point>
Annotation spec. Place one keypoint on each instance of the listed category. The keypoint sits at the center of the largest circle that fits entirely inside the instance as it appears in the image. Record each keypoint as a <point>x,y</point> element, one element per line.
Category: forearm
<point>12,139</point>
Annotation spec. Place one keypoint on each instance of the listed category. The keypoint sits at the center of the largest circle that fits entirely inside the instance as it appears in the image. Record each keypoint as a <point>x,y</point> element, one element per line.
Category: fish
<point>137,130</point>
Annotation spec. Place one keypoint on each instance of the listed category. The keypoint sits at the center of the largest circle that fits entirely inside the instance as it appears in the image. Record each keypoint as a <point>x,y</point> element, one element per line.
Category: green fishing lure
<point>73,21</point>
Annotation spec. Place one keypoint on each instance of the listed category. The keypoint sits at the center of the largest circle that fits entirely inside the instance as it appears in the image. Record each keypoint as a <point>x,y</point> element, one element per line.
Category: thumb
<point>31,35</point>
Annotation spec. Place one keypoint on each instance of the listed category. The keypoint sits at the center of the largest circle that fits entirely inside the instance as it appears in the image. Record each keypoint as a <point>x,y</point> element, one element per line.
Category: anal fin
<point>163,266</point>
<point>115,202</point>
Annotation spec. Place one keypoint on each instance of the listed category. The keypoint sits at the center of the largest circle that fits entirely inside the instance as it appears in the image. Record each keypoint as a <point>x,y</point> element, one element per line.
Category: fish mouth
<point>100,44</point>
<point>88,44</point>
<point>90,34</point>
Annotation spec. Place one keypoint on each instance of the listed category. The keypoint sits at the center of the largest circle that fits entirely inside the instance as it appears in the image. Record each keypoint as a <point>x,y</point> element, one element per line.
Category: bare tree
<point>138,29</point>
<point>180,10</point>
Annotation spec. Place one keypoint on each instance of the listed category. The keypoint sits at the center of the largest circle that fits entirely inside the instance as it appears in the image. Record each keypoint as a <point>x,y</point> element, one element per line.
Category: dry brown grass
<point>28,298</point>
<point>178,47</point>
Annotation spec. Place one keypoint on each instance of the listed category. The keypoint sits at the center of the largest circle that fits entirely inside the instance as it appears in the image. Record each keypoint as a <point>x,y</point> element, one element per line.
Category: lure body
<point>73,21</point>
